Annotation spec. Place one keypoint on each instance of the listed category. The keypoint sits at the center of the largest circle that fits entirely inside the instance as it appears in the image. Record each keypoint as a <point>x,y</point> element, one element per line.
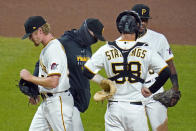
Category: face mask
<point>86,38</point>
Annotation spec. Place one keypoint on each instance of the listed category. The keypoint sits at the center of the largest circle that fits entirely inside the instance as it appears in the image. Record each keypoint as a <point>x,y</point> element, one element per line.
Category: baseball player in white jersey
<point>157,113</point>
<point>55,112</point>
<point>127,63</point>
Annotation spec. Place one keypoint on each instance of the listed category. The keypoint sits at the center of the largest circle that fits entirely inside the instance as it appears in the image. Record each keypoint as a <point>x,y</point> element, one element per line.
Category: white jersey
<point>140,60</point>
<point>53,61</point>
<point>158,43</point>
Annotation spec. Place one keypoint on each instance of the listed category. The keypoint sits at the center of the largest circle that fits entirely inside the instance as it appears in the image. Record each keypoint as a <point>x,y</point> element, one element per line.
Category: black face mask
<point>86,39</point>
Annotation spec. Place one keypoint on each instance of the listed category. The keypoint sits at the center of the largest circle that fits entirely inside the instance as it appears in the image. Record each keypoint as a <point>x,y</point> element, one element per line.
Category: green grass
<point>16,115</point>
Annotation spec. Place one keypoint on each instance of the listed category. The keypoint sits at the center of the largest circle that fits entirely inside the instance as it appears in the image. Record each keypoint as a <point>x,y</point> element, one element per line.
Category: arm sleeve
<point>96,63</point>
<point>165,51</point>
<point>160,80</point>
<point>160,67</point>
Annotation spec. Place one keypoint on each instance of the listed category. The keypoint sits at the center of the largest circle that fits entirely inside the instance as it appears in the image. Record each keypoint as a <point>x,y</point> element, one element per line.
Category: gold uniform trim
<point>62,47</point>
<point>54,74</point>
<point>62,113</point>
<point>126,40</point>
<point>169,59</point>
<point>163,69</point>
<point>89,70</point>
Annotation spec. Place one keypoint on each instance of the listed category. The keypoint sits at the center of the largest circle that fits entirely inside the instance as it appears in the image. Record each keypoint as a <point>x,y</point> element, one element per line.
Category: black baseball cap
<point>32,24</point>
<point>142,10</point>
<point>96,27</point>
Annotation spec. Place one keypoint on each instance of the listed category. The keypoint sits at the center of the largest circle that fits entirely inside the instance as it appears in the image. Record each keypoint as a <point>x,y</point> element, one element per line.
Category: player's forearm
<point>94,77</point>
<point>49,82</point>
<point>97,78</point>
<point>173,77</point>
<point>161,79</point>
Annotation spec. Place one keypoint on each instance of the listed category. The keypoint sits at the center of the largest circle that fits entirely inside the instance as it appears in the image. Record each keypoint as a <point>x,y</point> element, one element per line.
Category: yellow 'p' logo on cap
<point>34,28</point>
<point>143,11</point>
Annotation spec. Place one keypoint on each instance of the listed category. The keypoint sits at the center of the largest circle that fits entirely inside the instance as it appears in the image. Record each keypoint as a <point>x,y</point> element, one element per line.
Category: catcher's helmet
<point>128,22</point>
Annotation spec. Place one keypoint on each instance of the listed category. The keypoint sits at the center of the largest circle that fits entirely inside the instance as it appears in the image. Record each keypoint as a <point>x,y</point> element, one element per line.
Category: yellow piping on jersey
<point>146,115</point>
<point>126,40</point>
<point>163,69</point>
<point>62,114</point>
<point>169,59</point>
<point>43,66</point>
<point>89,70</point>
<point>59,74</point>
<point>63,48</point>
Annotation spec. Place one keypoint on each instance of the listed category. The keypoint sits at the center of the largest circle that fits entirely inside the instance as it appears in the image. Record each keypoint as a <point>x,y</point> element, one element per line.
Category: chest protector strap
<point>125,53</point>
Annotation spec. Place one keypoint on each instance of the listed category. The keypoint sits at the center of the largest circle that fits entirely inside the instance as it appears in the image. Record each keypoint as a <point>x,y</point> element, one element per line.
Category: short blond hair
<point>45,28</point>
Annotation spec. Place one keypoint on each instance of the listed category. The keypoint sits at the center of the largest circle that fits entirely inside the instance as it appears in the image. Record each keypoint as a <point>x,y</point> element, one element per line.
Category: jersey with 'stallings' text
<point>140,60</point>
<point>53,61</point>
<point>158,43</point>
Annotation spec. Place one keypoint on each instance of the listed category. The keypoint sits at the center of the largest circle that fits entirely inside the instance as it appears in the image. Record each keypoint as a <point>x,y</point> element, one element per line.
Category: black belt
<point>45,95</point>
<point>134,103</point>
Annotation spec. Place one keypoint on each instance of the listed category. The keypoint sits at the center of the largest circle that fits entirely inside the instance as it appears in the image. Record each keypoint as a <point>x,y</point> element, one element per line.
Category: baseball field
<point>16,114</point>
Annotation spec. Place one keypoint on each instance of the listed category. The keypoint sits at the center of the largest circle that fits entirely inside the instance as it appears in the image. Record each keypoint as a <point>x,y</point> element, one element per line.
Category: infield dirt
<point>174,18</point>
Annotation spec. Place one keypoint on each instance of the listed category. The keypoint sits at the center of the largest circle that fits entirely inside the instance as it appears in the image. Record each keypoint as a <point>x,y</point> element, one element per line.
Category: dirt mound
<point>175,19</point>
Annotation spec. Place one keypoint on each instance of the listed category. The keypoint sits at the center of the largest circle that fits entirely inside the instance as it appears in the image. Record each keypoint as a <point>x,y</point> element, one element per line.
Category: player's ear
<point>39,31</point>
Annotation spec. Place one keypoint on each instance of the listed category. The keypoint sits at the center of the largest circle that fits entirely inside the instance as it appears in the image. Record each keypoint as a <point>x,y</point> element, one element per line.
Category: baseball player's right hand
<point>34,101</point>
<point>146,92</point>
<point>25,74</point>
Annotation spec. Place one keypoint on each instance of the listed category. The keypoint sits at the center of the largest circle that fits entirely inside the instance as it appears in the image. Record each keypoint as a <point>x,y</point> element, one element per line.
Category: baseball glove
<point>168,98</point>
<point>108,91</point>
<point>28,88</point>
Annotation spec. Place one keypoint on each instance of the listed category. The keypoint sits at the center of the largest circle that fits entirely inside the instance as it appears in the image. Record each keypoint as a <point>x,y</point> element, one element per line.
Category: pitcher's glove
<point>108,91</point>
<point>28,88</point>
<point>168,98</point>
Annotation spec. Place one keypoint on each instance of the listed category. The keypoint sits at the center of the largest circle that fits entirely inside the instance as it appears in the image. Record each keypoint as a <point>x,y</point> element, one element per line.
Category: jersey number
<point>134,67</point>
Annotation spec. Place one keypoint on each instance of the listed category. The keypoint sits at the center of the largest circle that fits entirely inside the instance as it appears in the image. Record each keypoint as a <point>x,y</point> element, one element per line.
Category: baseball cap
<point>142,10</point>
<point>32,24</point>
<point>96,27</point>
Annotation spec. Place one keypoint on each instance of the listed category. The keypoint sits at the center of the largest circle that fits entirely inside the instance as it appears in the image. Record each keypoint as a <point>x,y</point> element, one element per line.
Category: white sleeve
<point>96,62</point>
<point>157,63</point>
<point>165,51</point>
<point>119,38</point>
<point>56,59</point>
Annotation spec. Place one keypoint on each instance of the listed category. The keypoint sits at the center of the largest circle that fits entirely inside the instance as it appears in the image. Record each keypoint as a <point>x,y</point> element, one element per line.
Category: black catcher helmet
<point>128,22</point>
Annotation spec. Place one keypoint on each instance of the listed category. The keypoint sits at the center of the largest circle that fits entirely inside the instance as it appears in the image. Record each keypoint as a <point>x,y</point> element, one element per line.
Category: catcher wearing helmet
<point>126,63</point>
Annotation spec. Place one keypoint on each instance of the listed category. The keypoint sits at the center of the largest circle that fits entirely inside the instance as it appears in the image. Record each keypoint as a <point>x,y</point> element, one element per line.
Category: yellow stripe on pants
<point>62,113</point>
